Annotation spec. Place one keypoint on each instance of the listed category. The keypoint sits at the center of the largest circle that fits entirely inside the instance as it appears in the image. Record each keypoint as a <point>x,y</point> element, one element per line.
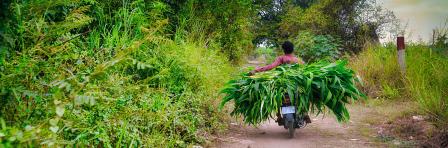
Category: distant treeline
<point>238,26</point>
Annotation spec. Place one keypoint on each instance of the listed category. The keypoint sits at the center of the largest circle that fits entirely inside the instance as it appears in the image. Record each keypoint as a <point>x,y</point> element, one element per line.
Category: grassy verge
<point>427,82</point>
<point>379,71</point>
<point>78,74</point>
<point>423,86</point>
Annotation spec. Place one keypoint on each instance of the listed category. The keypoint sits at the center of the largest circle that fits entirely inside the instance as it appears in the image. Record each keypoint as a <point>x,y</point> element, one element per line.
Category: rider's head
<point>288,47</point>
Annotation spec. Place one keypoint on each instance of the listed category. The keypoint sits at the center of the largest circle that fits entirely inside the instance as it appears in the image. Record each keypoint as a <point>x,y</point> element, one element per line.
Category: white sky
<point>421,15</point>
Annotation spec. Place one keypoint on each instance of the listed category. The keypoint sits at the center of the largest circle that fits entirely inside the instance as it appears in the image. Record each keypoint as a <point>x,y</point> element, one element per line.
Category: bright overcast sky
<point>421,15</point>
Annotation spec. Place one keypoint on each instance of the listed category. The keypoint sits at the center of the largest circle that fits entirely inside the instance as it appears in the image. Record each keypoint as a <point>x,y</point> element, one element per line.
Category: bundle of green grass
<point>316,87</point>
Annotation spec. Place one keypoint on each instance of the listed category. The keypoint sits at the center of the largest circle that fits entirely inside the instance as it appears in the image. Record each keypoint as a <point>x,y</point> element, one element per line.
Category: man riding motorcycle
<point>287,58</point>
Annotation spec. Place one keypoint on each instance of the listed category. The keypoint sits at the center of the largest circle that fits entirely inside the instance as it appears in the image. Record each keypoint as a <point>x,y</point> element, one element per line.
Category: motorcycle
<point>290,118</point>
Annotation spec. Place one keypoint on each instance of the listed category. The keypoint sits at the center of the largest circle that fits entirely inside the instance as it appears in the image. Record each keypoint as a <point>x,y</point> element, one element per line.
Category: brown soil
<point>386,124</point>
<point>323,132</point>
<point>439,140</point>
<point>413,130</point>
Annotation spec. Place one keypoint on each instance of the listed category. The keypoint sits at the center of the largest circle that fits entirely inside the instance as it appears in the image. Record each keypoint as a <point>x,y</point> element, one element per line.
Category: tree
<point>270,13</point>
<point>355,22</point>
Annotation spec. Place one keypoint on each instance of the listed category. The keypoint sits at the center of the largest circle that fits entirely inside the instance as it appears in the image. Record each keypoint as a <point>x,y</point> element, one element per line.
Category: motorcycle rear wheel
<point>291,129</point>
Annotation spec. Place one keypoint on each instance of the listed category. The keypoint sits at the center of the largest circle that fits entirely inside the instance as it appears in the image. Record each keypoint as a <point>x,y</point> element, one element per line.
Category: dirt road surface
<point>322,132</point>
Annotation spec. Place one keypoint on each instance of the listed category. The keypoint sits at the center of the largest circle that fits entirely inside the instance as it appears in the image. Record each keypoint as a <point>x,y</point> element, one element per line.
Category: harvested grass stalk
<point>315,87</point>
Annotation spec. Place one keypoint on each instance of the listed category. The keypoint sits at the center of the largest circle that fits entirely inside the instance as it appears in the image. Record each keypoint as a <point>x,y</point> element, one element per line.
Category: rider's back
<point>284,59</point>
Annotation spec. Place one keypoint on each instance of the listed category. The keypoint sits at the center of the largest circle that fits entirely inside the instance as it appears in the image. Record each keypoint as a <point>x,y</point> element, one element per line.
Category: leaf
<point>314,87</point>
<point>56,102</point>
<point>79,100</point>
<point>54,121</point>
<point>28,128</point>
<point>54,129</point>
<point>60,110</point>
<point>92,101</point>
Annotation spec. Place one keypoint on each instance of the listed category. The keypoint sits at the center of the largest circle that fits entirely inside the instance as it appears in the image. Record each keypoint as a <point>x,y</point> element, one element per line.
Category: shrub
<point>266,52</point>
<point>312,47</point>
<point>440,39</point>
<point>74,73</point>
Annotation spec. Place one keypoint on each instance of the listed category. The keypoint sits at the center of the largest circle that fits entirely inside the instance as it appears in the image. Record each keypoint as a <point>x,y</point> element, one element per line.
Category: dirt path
<point>323,132</point>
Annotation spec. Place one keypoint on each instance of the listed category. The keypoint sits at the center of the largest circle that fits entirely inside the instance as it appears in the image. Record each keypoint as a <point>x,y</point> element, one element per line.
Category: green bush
<point>440,38</point>
<point>313,48</point>
<point>267,52</point>
<point>103,74</point>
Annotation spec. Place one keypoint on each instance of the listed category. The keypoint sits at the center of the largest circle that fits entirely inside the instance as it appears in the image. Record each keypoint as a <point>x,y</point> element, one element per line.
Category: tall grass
<point>378,68</point>
<point>425,80</point>
<point>76,73</point>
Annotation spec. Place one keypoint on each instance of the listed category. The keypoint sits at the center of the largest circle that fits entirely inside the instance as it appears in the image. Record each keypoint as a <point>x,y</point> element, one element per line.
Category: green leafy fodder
<point>314,87</point>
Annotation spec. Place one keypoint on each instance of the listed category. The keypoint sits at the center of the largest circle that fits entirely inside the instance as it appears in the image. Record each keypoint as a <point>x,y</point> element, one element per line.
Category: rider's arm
<point>276,63</point>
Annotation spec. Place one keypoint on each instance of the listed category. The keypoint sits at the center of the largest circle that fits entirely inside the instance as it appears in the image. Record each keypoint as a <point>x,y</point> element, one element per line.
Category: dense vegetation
<point>312,48</point>
<point>140,73</point>
<point>147,72</point>
<point>425,80</point>
<point>356,22</point>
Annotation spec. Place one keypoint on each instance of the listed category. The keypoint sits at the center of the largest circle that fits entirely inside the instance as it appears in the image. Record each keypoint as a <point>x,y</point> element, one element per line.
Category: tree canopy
<point>354,22</point>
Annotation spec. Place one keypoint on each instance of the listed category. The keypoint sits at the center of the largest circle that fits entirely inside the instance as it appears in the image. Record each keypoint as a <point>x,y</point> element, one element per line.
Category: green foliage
<point>106,73</point>
<point>355,21</point>
<point>226,23</point>
<point>264,51</point>
<point>270,14</point>
<point>313,48</point>
<point>425,79</point>
<point>314,87</point>
<point>426,82</point>
<point>378,67</point>
<point>267,52</point>
<point>312,19</point>
<point>440,38</point>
